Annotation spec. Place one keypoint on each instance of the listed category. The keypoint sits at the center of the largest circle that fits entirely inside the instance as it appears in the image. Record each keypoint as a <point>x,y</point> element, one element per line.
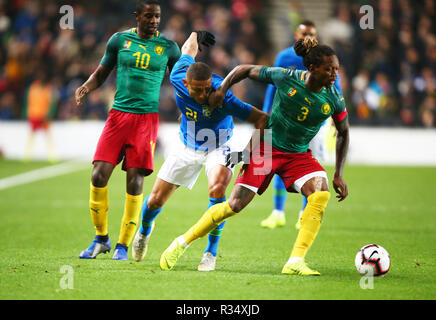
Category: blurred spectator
<point>391,68</point>
<point>380,97</point>
<point>95,108</point>
<point>359,85</point>
<point>7,103</point>
<point>427,111</point>
<point>387,74</point>
<point>39,109</point>
<point>31,38</point>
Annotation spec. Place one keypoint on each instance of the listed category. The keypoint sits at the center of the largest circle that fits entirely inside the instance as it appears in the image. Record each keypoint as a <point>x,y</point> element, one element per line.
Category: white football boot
<point>140,245</point>
<point>207,263</point>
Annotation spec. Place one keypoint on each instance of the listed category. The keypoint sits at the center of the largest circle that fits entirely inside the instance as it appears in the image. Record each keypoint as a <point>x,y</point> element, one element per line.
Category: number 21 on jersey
<point>191,114</point>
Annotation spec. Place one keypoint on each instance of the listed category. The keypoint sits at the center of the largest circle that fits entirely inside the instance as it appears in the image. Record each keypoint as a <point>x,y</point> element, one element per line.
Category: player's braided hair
<point>308,23</point>
<point>311,51</point>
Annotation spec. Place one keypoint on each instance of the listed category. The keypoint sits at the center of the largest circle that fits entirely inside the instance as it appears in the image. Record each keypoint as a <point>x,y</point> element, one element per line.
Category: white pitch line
<point>43,173</point>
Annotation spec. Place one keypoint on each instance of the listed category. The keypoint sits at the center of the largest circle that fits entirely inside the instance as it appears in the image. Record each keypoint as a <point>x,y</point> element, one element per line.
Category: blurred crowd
<point>33,46</point>
<point>387,73</point>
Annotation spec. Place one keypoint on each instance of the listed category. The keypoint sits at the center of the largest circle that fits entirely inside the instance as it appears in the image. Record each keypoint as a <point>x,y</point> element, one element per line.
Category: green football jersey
<point>141,66</point>
<point>298,113</point>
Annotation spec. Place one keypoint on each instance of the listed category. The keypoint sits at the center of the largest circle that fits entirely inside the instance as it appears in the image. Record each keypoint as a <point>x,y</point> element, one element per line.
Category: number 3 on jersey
<point>303,115</point>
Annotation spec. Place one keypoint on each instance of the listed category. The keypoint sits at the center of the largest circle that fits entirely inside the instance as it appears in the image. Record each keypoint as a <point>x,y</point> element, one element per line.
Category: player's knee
<point>236,204</point>
<point>99,179</point>
<point>134,185</point>
<point>319,198</point>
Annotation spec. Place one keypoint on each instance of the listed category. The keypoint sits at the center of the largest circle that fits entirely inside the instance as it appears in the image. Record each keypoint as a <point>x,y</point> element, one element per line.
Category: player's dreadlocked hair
<point>308,23</point>
<point>199,71</point>
<point>140,4</point>
<point>311,51</point>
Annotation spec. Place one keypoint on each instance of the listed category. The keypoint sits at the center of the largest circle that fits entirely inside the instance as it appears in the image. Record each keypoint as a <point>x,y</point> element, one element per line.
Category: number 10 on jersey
<point>143,60</point>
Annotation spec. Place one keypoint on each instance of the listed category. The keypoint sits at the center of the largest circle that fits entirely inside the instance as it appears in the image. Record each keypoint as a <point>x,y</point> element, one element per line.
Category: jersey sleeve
<point>109,59</point>
<point>340,111</point>
<point>235,107</point>
<point>179,71</point>
<point>276,76</point>
<point>173,54</point>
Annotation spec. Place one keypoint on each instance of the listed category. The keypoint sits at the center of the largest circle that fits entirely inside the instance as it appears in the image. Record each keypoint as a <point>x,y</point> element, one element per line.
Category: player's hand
<point>235,157</point>
<point>340,187</point>
<point>80,93</point>
<point>216,99</point>
<point>205,38</point>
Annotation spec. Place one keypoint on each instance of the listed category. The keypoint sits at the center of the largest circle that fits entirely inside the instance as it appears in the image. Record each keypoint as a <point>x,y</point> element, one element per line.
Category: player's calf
<point>240,198</point>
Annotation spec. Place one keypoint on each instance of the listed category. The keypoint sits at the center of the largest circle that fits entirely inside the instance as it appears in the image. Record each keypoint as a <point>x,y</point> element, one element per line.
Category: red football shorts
<point>266,161</point>
<point>39,124</point>
<point>129,137</point>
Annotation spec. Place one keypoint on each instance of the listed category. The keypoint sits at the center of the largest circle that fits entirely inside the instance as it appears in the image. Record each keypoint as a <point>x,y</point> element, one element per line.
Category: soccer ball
<point>372,260</point>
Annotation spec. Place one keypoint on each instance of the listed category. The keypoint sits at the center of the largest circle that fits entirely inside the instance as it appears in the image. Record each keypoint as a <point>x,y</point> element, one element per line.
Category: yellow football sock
<point>132,209</point>
<point>310,223</point>
<point>214,216</point>
<point>99,205</point>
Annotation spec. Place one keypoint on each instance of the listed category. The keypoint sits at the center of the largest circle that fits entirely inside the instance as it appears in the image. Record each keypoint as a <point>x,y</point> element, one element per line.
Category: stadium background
<point>388,79</point>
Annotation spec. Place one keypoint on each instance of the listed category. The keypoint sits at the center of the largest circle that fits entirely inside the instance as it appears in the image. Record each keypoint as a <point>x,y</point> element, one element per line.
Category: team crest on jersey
<point>127,44</point>
<point>159,50</point>
<point>291,92</point>
<point>326,108</point>
<point>206,110</point>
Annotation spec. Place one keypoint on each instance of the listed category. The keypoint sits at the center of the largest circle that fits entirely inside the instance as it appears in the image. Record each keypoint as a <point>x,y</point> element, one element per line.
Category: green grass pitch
<point>45,224</point>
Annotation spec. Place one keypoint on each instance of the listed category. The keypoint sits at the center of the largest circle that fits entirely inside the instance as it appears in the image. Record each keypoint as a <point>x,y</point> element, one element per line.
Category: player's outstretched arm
<point>95,80</point>
<point>258,118</point>
<point>239,73</point>
<point>342,143</point>
<point>197,38</point>
<point>190,47</point>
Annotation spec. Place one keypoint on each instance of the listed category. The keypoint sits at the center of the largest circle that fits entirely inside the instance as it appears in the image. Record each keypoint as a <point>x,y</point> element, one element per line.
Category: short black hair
<point>311,51</point>
<point>308,23</point>
<point>199,71</point>
<point>141,3</point>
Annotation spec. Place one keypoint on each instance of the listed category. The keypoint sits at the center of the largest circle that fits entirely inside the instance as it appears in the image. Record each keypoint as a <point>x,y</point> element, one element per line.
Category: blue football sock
<point>280,193</point>
<point>303,202</point>
<point>148,217</point>
<point>215,235</point>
